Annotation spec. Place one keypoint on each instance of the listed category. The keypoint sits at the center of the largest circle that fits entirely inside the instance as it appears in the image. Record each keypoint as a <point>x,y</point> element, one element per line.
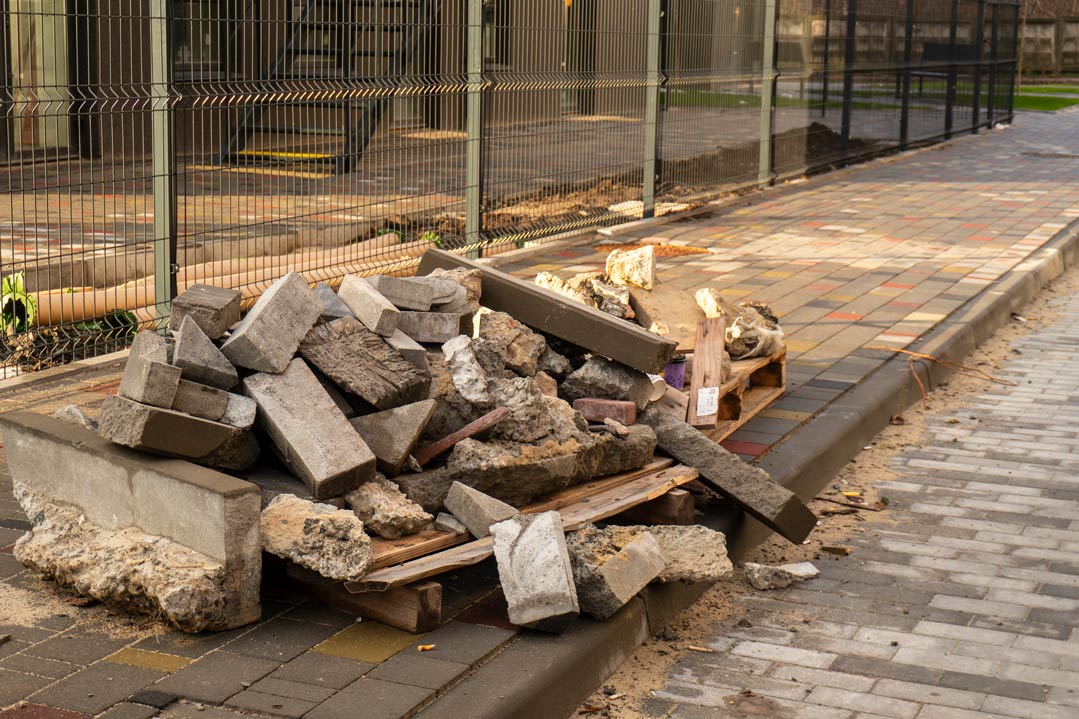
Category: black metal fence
<point>150,144</point>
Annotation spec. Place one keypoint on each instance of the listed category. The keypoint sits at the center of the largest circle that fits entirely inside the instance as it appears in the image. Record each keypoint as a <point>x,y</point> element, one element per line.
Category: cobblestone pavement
<point>961,603</point>
<point>877,256</point>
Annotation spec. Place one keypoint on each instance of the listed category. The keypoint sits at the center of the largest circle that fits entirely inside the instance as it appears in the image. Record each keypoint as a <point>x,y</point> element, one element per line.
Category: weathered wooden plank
<point>675,507</point>
<point>675,403</point>
<point>413,608</point>
<point>707,375</point>
<point>554,314</point>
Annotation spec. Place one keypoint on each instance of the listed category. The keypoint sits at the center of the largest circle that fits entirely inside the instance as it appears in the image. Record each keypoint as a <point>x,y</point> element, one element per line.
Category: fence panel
<point>146,145</point>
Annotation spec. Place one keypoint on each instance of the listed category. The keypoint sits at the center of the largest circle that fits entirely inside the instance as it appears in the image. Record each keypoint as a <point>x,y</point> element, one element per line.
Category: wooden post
<point>707,375</point>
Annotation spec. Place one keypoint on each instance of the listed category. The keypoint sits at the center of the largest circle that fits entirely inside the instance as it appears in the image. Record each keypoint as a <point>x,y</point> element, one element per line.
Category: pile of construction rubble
<point>397,405</point>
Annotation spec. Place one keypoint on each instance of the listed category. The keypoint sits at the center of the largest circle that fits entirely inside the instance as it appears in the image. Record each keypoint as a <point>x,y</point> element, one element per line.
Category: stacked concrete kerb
<point>395,414</point>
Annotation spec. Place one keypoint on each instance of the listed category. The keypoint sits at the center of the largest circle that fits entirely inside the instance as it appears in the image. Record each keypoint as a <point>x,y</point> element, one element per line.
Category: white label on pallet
<point>707,401</point>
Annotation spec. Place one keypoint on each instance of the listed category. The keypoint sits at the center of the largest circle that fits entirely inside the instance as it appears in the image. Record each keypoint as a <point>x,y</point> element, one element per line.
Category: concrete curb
<point>539,676</point>
<point>810,457</point>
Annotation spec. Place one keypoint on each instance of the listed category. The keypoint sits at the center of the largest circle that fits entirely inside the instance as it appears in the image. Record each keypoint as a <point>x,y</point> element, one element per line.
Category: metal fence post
<point>976,108</point>
<point>848,75</point>
<point>653,80</point>
<point>768,91</point>
<point>163,153</point>
<point>949,103</point>
<point>994,58</point>
<point>827,56</point>
<point>1016,61</point>
<point>474,128</point>
<point>908,60</point>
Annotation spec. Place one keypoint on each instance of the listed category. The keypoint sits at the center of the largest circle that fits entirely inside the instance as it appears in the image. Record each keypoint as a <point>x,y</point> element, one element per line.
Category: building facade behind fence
<point>150,144</point>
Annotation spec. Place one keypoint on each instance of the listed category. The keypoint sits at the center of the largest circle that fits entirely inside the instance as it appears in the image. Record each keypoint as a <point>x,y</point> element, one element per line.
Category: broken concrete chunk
<point>446,522</point>
<point>535,571</point>
<point>764,576</point>
<point>372,309</point>
<point>547,384</point>
<point>404,292</point>
<point>199,360</point>
<point>200,400</point>
<point>240,411</point>
<point>168,432</point>
<point>606,582</point>
<point>554,364</point>
<point>693,553</point>
<point>267,337</point>
<point>633,267</point>
<point>310,433</point>
<point>332,306</point>
<point>602,378</point>
<point>320,537</point>
<point>468,376</point>
<point>433,327</point>
<point>597,410</point>
<point>392,434</point>
<point>385,510</point>
<point>428,452</point>
<point>591,289</point>
<point>213,309</point>
<point>519,347</point>
<point>74,414</point>
<point>476,510</point>
<point>362,363</point>
<point>470,279</point>
<point>750,487</point>
<point>615,427</point>
<point>148,378</point>
<point>533,415</point>
<point>410,350</point>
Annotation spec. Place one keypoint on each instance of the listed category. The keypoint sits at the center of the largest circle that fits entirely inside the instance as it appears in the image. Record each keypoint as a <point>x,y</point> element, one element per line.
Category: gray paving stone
<point>76,648</point>
<point>96,688</point>
<point>991,685</point>
<point>270,704</point>
<point>29,664</point>
<point>281,639</point>
<point>463,642</point>
<point>16,686</point>
<point>216,677</point>
<point>322,670</point>
<point>418,670</point>
<point>380,700</point>
<point>128,710</point>
<point>292,690</point>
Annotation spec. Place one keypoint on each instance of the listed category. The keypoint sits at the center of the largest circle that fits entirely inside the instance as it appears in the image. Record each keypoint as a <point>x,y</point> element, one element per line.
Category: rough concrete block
<point>597,410</point>
<point>240,411</point>
<point>693,553</point>
<point>606,582</point>
<point>200,360</point>
<point>332,306</point>
<point>172,433</point>
<point>372,309</point>
<point>363,363</point>
<point>214,404</point>
<point>433,327</point>
<point>310,433</point>
<point>320,537</point>
<point>764,576</point>
<point>476,510</point>
<point>385,510</point>
<point>268,336</point>
<point>116,489</point>
<point>535,571</point>
<point>411,350</point>
<point>404,292</point>
<point>213,309</point>
<point>633,267</point>
<point>601,378</point>
<point>148,378</point>
<point>446,522</point>
<point>392,434</point>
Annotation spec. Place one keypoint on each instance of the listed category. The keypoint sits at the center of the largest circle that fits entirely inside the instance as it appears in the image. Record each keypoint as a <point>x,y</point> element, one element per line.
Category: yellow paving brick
<point>780,274</point>
<point>839,298</point>
<point>149,660</point>
<point>923,317</point>
<point>799,345</point>
<point>786,414</point>
<point>735,292</point>
<point>366,642</point>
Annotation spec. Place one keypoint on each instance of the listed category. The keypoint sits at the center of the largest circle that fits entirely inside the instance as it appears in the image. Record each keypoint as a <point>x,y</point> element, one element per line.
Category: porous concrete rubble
<point>606,582</point>
<point>752,327</point>
<point>74,414</point>
<point>693,553</point>
<point>385,511</point>
<point>592,289</point>
<point>535,571</point>
<point>603,379</point>
<point>320,537</point>
<point>633,267</point>
<point>764,576</point>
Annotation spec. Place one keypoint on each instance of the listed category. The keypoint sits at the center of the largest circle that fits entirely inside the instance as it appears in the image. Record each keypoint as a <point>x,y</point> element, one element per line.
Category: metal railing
<point>148,145</point>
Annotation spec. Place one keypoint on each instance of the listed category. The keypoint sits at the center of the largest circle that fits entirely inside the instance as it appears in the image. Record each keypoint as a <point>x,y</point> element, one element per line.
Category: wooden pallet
<point>754,384</point>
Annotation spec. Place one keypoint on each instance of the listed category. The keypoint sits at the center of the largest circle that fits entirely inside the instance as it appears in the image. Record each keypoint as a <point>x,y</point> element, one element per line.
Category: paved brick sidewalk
<point>877,256</point>
<point>962,603</point>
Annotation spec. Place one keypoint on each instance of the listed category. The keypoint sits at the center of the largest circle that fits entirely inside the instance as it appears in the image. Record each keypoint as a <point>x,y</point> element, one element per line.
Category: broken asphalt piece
<point>268,336</point>
<point>385,511</point>
<point>750,487</point>
<point>393,433</point>
<point>425,454</point>
<point>311,435</point>
<point>320,537</point>
<point>200,360</point>
<point>535,571</point>
<point>764,576</point>
<point>603,379</point>
<point>446,522</point>
<point>165,431</point>
<point>360,362</point>
<point>693,553</point>
<point>606,582</point>
<point>597,410</point>
<point>148,378</point>
<point>476,510</point>
<point>372,309</point>
<point>405,293</point>
<point>213,309</point>
<point>633,267</point>
<point>431,327</point>
<point>332,306</point>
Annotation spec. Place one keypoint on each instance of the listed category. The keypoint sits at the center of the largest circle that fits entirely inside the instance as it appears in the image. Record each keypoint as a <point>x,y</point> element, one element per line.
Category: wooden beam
<point>556,315</point>
<point>675,507</point>
<point>707,377</point>
<point>413,608</point>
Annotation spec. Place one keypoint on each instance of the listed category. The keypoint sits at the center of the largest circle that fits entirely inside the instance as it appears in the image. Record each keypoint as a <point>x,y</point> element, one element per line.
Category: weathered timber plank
<point>675,507</point>
<point>554,314</point>
<point>707,376</point>
<point>413,608</point>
